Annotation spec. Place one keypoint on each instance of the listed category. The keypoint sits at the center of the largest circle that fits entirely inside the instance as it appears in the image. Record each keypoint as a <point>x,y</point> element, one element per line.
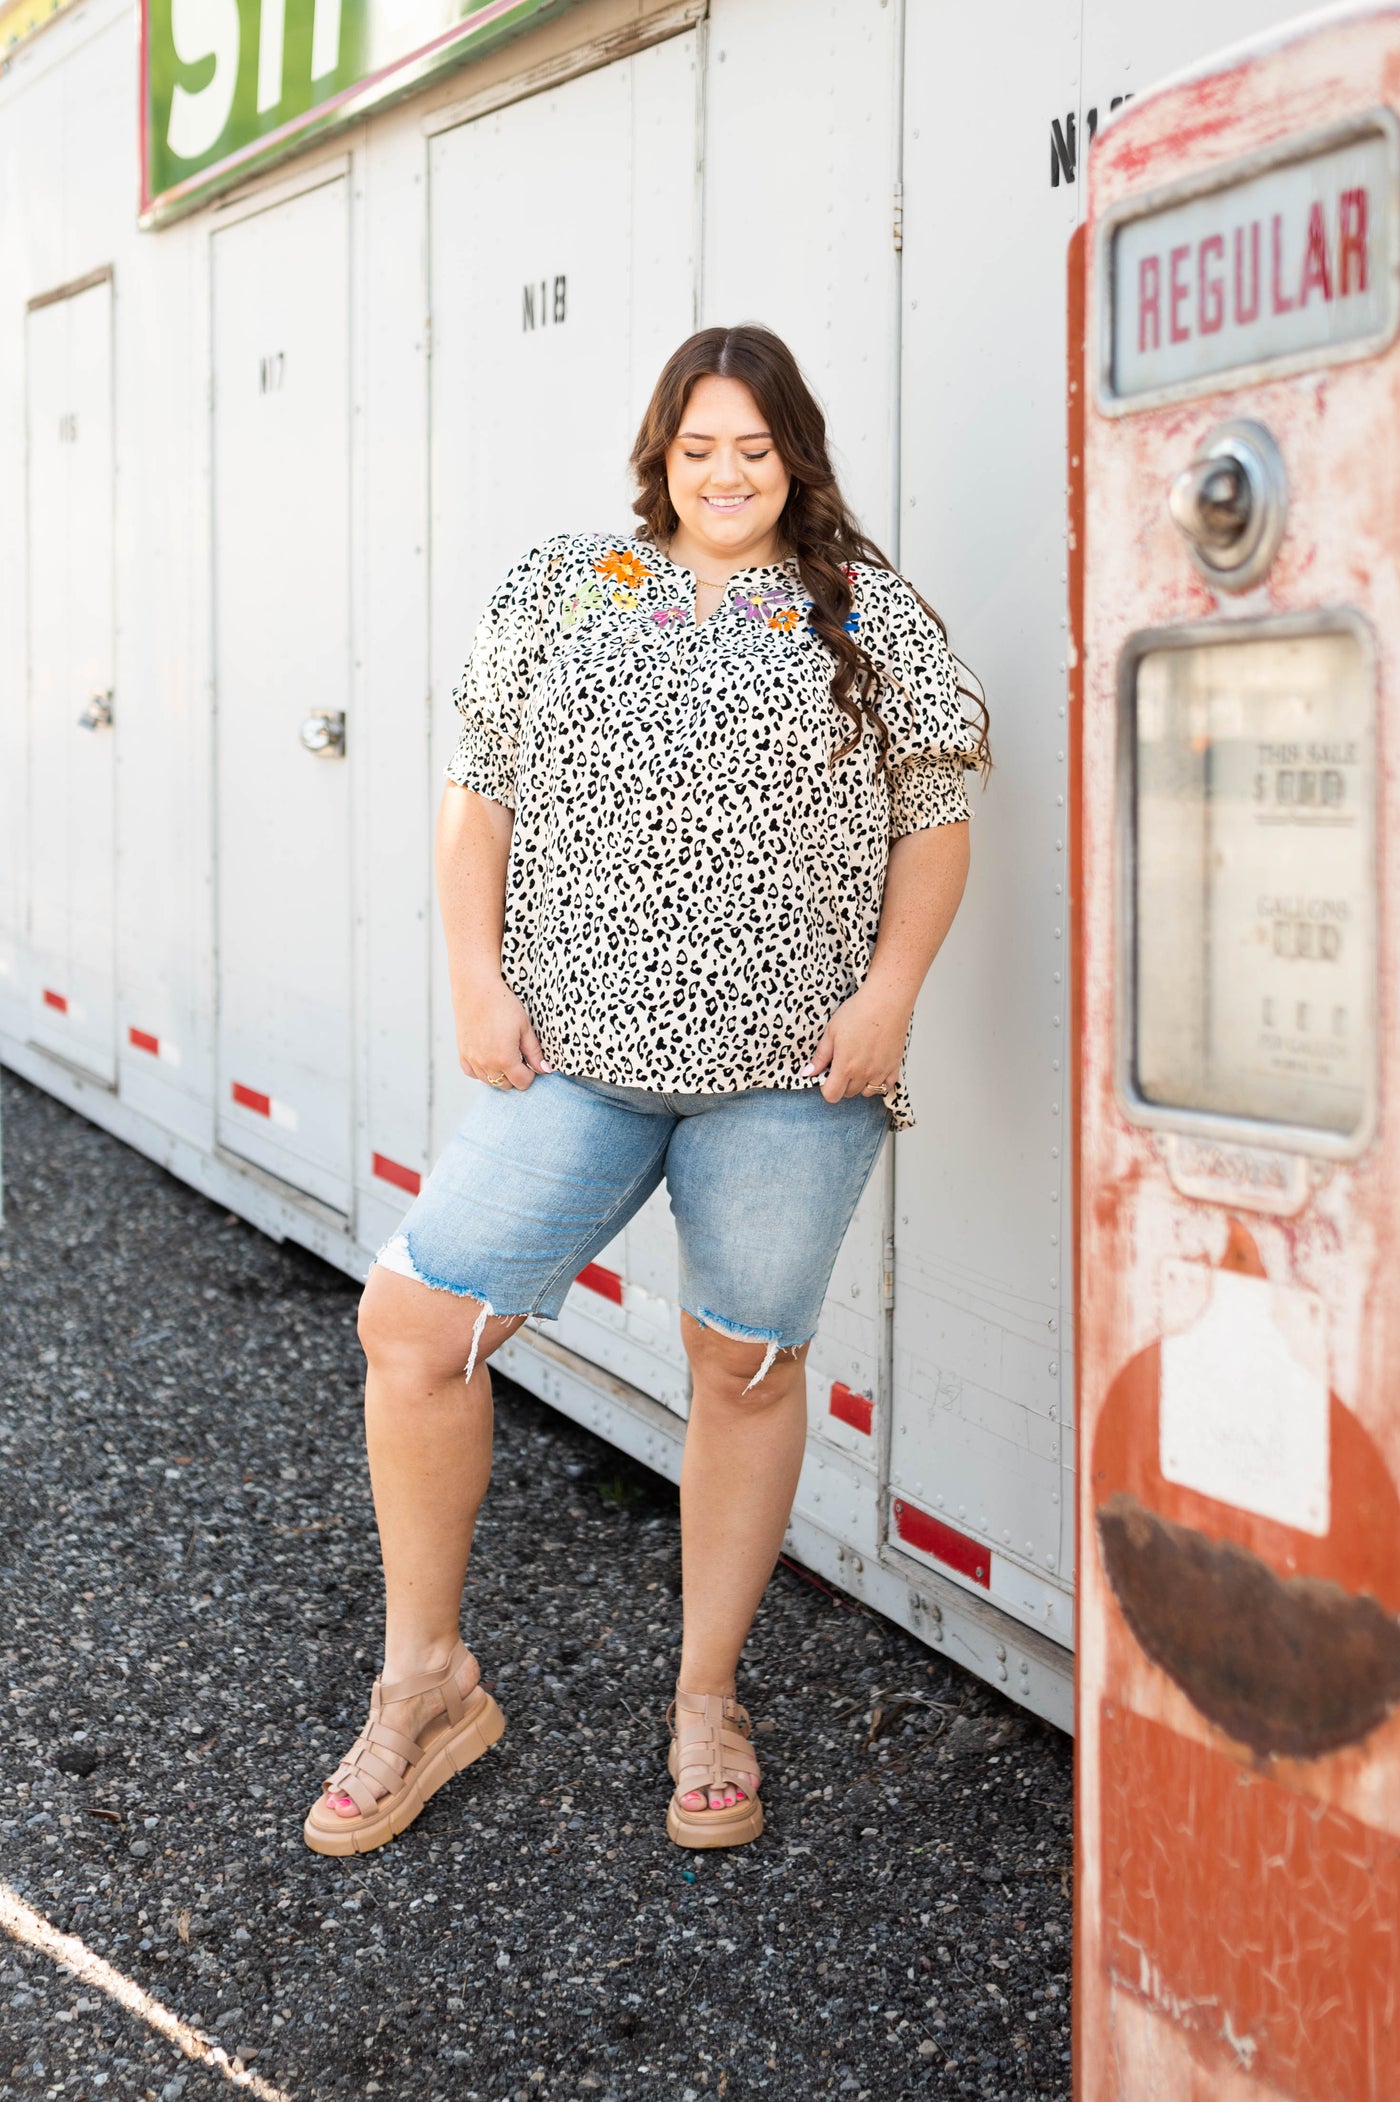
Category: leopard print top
<point>691,891</point>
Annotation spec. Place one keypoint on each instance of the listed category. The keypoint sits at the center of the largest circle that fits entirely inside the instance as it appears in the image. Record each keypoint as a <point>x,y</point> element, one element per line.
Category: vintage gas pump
<point>1238,1914</point>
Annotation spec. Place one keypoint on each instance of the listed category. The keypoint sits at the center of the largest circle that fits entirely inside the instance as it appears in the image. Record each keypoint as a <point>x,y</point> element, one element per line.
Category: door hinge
<point>887,1273</point>
<point>899,218</point>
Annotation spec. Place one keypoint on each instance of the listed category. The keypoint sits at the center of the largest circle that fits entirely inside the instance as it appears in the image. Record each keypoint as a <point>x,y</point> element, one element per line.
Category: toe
<point>696,1800</point>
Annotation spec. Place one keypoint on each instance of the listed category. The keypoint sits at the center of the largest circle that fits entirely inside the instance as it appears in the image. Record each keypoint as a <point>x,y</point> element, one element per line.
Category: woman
<point>703,835</point>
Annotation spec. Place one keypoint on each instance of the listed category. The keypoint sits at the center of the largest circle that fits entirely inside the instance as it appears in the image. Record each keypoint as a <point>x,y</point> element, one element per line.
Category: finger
<point>532,1054</point>
<point>821,1057</point>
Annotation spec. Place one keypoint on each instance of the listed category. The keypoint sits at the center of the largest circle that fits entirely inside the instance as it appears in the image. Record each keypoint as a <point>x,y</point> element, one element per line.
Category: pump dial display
<point>1253,921</point>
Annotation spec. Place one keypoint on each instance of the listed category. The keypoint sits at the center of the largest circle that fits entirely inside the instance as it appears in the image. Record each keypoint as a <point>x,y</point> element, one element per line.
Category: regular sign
<point>1285,264</point>
<point>227,86</point>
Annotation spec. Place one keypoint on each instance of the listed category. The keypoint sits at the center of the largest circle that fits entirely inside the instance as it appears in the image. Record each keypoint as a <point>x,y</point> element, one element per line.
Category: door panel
<point>981,1191</point>
<point>282,655</point>
<point>553,312</point>
<point>72,826</point>
<point>982,1440</point>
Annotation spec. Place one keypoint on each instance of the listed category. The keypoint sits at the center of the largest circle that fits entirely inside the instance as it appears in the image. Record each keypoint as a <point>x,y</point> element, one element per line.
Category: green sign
<point>228,86</point>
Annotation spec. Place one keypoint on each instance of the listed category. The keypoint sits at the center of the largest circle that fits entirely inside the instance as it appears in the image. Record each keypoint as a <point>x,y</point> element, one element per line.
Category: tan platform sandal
<point>710,1748</point>
<point>468,1725</point>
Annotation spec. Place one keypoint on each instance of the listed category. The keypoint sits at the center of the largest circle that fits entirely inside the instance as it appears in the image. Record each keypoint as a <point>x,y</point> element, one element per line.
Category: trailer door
<point>980,1452</point>
<point>282,662</point>
<point>555,303</point>
<point>72,833</point>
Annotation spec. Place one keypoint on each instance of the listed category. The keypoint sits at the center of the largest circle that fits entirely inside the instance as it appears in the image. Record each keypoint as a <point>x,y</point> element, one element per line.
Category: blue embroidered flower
<point>850,623</point>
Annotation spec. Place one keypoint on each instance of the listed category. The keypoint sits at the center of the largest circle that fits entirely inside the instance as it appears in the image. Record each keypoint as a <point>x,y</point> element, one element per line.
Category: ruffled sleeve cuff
<point>929,789</point>
<point>485,760</point>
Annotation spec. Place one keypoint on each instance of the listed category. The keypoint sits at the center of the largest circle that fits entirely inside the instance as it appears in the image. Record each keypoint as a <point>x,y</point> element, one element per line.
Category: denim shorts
<point>762,1185</point>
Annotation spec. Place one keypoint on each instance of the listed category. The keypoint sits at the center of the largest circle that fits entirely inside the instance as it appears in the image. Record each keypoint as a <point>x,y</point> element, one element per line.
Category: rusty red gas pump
<point>1238,1882</point>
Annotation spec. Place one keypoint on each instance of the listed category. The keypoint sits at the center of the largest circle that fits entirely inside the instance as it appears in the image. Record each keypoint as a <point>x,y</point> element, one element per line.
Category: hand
<point>861,1047</point>
<point>495,1034</point>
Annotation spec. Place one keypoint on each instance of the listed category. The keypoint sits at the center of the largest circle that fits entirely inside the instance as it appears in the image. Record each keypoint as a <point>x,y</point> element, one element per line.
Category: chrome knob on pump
<point>1231,503</point>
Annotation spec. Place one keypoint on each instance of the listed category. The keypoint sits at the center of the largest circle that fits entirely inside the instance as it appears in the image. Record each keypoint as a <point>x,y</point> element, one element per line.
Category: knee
<point>379,1323</point>
<point>740,1371</point>
<point>418,1337</point>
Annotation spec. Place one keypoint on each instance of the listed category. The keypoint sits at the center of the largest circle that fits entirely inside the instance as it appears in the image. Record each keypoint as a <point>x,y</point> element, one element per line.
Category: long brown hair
<point>822,534</point>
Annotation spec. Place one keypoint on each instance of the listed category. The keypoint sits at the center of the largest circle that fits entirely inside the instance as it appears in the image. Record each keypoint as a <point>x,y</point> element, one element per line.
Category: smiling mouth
<point>725,503</point>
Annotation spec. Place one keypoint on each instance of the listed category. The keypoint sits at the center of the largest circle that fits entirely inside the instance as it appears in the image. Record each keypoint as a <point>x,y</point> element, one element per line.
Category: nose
<point>726,470</point>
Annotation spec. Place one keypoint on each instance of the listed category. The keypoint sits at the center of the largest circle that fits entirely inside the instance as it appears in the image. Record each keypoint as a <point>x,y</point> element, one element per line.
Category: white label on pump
<point>1298,259</point>
<point>1244,1402</point>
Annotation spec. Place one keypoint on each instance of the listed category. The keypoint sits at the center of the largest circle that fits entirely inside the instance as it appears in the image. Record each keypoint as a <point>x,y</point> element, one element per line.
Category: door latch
<point>324,733</point>
<point>98,713</point>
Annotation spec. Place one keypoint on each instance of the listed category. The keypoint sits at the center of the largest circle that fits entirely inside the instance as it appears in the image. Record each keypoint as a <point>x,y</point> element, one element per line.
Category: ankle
<point>410,1659</point>
<point>713,1682</point>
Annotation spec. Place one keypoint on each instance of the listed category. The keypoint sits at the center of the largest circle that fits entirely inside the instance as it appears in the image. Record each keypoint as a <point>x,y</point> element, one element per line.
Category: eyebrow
<point>708,436</point>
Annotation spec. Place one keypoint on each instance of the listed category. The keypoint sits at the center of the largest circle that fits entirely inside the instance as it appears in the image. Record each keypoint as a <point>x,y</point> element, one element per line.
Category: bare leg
<point>743,1454</point>
<point>428,1430</point>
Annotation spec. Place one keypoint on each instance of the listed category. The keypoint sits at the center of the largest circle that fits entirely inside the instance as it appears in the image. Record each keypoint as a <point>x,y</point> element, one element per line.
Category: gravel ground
<point>191,1620</point>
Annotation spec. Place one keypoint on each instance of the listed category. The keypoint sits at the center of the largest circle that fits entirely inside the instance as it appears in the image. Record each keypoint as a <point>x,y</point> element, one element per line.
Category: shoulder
<point>891,613</point>
<point>544,575</point>
<point>560,551</point>
<point>883,590</point>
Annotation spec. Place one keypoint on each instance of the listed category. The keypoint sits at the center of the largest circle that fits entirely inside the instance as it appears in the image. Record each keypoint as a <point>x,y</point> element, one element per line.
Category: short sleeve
<point>932,744</point>
<point>511,643</point>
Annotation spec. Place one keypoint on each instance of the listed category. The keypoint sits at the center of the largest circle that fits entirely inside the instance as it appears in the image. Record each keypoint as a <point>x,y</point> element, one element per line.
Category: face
<point>727,483</point>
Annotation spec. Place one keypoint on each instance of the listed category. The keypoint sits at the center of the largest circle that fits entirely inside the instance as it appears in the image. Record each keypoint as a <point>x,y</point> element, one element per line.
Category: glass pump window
<point>1253,884</point>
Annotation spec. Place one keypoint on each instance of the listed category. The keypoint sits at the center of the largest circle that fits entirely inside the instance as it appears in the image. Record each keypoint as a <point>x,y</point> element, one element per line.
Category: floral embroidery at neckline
<point>624,570</point>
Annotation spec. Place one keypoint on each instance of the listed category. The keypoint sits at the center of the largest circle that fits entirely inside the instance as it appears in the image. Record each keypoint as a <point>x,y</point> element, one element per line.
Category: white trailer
<point>262,458</point>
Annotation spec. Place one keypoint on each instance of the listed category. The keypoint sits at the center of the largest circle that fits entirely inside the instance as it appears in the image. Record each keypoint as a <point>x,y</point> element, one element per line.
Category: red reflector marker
<point>849,1407</point>
<point>144,1041</point>
<point>249,1098</point>
<point>394,1171</point>
<point>597,1279</point>
<point>58,1000</point>
<point>930,1535</point>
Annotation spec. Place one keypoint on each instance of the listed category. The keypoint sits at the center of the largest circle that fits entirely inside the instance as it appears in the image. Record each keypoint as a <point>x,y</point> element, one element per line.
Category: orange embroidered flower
<point>784,618</point>
<point>625,568</point>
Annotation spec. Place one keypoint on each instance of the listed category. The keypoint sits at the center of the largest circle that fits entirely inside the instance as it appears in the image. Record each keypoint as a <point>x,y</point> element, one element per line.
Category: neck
<point>719,564</point>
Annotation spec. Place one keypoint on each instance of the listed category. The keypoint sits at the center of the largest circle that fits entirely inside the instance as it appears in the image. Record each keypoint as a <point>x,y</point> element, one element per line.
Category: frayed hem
<point>397,1256</point>
<point>739,1332</point>
<point>477,1327</point>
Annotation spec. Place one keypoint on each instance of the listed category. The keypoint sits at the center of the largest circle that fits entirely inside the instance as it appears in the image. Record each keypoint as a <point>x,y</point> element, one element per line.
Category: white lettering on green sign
<point>231,85</point>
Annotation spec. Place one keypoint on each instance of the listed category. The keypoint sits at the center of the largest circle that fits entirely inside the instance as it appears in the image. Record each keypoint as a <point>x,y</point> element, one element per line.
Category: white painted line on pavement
<point>27,1925</point>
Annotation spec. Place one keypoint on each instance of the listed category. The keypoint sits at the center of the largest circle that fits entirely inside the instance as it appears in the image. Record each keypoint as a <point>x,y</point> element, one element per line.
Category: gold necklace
<point>710,581</point>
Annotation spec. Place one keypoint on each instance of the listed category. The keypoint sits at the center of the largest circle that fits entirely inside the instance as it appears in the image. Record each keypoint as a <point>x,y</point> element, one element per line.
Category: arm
<point>494,1033</point>
<point>923,889</point>
<point>864,1040</point>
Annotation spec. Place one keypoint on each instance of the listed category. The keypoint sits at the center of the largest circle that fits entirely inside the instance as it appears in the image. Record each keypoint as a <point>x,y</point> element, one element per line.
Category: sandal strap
<point>365,1762</point>
<point>441,1681</point>
<point>348,1782</point>
<point>712,1741</point>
